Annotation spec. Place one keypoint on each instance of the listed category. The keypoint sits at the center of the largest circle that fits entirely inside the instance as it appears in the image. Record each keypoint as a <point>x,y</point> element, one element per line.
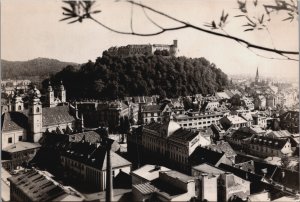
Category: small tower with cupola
<point>35,117</point>
<point>17,102</point>
<point>62,93</point>
<point>50,96</point>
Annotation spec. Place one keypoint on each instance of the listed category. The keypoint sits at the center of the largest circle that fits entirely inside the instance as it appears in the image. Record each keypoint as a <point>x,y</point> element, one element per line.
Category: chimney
<point>109,186</point>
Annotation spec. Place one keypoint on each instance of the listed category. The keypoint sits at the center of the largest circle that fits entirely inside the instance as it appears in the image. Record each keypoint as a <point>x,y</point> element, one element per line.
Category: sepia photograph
<point>151,101</point>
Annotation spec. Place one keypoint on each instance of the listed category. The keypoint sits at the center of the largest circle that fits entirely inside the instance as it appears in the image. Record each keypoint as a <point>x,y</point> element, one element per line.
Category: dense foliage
<point>112,77</point>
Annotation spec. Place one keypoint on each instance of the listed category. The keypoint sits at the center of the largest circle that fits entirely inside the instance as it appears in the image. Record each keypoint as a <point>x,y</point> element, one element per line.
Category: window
<point>10,140</point>
<point>19,108</point>
<point>37,109</point>
<point>20,138</point>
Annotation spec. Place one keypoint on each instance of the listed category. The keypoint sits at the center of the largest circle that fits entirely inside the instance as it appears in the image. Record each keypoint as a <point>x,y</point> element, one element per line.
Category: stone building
<point>143,49</point>
<point>86,163</point>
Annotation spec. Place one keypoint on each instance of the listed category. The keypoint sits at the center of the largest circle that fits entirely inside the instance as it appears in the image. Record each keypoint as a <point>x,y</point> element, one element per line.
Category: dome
<point>61,87</point>
<point>49,86</point>
<point>35,93</point>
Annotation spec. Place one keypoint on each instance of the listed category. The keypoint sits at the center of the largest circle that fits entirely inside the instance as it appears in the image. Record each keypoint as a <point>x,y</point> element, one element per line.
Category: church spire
<point>257,76</point>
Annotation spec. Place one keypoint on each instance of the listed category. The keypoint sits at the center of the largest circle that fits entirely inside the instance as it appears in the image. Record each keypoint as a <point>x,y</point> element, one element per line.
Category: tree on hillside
<point>285,162</point>
<point>256,16</point>
<point>113,77</point>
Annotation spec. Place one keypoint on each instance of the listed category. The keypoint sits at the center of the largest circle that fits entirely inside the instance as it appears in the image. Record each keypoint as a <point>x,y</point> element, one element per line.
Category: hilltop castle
<point>143,49</point>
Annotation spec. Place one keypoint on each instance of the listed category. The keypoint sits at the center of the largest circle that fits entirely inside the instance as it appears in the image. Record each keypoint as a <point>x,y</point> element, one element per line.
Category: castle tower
<point>35,115</point>
<point>62,92</point>
<point>17,102</point>
<point>50,96</point>
<point>257,76</point>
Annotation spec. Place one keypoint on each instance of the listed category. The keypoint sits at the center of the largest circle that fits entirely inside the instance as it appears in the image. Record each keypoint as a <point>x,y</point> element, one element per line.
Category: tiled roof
<point>153,108</point>
<point>205,155</point>
<point>36,186</point>
<point>183,135</point>
<point>21,146</point>
<point>56,115</point>
<point>223,147</point>
<point>279,134</point>
<point>209,169</point>
<point>268,141</point>
<point>89,136</point>
<point>93,155</point>
<point>145,188</point>
<point>14,121</point>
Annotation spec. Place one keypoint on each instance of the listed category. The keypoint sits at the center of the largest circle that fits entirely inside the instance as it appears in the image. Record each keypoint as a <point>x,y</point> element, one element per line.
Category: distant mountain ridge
<point>36,69</point>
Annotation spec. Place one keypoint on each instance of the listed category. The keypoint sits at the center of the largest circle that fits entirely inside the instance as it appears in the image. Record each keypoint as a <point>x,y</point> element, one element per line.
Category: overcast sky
<point>31,29</point>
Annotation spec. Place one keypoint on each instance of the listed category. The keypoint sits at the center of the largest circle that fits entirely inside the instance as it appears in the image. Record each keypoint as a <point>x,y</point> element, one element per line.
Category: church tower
<point>50,96</point>
<point>35,117</point>
<point>17,102</point>
<point>257,76</point>
<point>62,93</point>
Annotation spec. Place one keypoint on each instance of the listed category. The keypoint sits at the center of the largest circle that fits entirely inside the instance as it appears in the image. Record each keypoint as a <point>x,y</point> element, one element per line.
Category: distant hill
<point>35,70</point>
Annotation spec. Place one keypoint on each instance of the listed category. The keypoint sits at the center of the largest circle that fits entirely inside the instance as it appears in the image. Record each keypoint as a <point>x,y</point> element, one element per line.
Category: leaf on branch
<point>73,21</point>
<point>94,12</point>
<point>261,20</point>
<point>67,9</point>
<point>237,16</point>
<point>288,18</point>
<point>67,18</point>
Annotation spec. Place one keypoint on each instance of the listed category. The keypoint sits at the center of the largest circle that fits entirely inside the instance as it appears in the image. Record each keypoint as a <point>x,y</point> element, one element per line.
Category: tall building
<point>257,76</point>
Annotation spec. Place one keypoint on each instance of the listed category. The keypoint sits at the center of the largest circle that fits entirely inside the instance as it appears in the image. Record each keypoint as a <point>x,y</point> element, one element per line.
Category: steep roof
<point>205,155</point>
<point>223,147</point>
<point>56,115</point>
<point>14,121</point>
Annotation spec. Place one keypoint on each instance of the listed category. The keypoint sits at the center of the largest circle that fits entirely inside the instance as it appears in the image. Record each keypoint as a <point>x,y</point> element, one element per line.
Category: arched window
<point>19,108</point>
<point>37,109</point>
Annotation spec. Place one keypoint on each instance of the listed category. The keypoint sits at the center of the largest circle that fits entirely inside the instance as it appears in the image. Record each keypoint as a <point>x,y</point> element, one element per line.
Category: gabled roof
<point>205,155</point>
<point>14,121</point>
<point>223,147</point>
<point>56,115</point>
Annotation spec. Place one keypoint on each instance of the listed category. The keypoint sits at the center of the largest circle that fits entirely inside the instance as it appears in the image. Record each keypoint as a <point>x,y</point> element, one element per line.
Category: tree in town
<point>285,162</point>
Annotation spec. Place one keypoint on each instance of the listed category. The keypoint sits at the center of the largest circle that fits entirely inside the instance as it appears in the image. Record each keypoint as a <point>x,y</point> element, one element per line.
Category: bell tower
<point>17,102</point>
<point>62,92</point>
<point>257,76</point>
<point>35,117</point>
<point>50,96</point>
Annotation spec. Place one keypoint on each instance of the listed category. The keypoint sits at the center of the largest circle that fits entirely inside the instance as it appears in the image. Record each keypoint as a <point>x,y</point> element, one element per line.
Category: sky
<point>31,29</point>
